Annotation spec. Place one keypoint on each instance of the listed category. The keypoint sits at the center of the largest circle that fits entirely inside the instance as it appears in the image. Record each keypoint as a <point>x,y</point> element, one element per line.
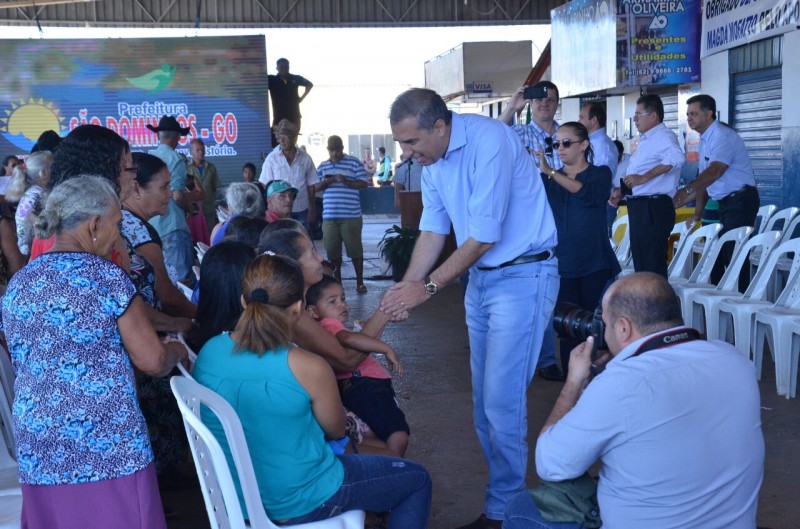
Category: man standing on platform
<point>725,175</point>
<point>478,175</point>
<point>284,92</point>
<point>652,176</point>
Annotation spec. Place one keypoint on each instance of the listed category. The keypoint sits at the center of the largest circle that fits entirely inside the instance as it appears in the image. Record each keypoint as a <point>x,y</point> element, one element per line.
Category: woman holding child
<point>256,368</point>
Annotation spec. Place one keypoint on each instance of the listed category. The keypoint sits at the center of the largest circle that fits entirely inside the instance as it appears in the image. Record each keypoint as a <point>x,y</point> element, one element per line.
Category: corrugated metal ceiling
<point>275,13</point>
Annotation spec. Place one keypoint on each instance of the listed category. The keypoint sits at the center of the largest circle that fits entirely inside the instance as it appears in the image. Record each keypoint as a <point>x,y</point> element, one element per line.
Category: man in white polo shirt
<point>652,176</point>
<point>725,175</point>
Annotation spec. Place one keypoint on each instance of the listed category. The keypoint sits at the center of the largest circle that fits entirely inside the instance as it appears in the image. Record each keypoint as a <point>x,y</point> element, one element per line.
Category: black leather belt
<point>737,193</point>
<point>649,197</point>
<point>522,259</point>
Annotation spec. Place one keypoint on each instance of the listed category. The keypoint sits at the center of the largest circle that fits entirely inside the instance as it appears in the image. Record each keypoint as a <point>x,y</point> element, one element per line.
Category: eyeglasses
<point>640,114</point>
<point>130,169</point>
<point>566,143</point>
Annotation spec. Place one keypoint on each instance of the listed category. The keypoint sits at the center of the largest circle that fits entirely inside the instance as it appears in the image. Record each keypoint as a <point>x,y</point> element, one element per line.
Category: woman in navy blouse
<point>577,194</point>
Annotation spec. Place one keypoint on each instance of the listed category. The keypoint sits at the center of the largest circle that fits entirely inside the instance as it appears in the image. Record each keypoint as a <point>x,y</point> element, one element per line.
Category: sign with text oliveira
<point>731,23</point>
<point>215,86</point>
<point>605,44</point>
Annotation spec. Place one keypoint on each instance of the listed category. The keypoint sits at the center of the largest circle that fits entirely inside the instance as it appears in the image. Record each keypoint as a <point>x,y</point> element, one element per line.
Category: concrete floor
<point>435,395</point>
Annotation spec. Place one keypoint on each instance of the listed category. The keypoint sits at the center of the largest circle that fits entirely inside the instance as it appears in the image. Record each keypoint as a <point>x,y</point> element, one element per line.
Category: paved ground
<point>435,394</point>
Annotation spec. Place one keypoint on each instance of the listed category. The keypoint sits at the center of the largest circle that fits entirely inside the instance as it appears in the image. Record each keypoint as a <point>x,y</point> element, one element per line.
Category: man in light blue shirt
<point>675,421</point>
<point>593,117</point>
<point>478,175</point>
<point>725,175</point>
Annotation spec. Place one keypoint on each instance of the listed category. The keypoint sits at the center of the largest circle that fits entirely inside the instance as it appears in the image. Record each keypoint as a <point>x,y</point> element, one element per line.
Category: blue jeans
<point>522,513</point>
<point>179,252</point>
<point>507,312</point>
<point>379,484</point>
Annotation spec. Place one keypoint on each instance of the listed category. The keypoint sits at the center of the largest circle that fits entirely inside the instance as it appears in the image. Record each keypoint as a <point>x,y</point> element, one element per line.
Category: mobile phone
<point>535,92</point>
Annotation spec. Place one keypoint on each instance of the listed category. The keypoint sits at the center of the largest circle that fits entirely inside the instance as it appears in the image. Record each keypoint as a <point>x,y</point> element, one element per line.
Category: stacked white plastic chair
<point>763,216</point>
<point>701,275</point>
<point>681,266</point>
<point>775,325</point>
<point>701,303</point>
<point>735,316</point>
<point>216,480</point>
<point>784,218</point>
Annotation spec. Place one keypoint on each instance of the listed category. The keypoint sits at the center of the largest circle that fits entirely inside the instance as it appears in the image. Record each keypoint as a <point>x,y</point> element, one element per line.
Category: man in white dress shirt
<point>675,420</point>
<point>652,175</point>
<point>725,175</point>
<point>288,162</point>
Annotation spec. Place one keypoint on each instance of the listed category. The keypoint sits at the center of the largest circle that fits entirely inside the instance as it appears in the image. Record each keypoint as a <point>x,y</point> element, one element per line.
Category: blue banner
<point>216,86</point>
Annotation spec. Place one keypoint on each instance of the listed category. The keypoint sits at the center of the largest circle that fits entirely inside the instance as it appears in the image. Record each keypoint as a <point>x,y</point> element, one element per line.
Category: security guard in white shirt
<point>725,175</point>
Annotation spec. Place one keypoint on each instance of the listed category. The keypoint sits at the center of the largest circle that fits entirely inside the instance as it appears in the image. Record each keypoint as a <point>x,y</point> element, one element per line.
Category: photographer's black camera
<point>571,321</point>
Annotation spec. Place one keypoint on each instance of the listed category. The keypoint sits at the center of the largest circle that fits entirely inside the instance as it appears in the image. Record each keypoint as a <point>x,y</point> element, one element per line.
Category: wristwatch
<point>688,190</point>
<point>430,287</point>
<point>551,174</point>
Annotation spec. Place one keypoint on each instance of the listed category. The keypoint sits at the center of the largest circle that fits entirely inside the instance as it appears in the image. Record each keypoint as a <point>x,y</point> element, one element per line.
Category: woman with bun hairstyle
<point>288,402</point>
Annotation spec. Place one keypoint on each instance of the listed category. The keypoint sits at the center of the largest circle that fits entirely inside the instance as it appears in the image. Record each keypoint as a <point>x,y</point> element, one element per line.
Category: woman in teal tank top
<point>289,405</point>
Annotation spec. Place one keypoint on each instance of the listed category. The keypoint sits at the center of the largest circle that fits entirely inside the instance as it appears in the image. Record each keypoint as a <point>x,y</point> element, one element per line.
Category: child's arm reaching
<point>375,325</point>
<point>362,342</point>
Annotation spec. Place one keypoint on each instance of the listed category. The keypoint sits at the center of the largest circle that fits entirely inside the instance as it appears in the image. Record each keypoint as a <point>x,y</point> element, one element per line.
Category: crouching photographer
<point>674,419</point>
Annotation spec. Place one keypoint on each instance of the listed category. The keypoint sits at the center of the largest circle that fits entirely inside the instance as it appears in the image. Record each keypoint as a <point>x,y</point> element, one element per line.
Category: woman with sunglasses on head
<point>577,194</point>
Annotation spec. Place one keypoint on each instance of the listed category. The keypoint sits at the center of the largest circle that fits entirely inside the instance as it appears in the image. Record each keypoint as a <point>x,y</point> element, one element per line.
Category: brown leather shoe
<point>483,523</point>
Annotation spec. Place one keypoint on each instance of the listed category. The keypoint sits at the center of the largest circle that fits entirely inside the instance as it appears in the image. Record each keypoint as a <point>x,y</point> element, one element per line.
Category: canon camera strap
<point>667,339</point>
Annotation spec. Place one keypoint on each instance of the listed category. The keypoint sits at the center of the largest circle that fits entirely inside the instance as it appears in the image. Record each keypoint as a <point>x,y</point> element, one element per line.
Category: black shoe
<point>483,523</point>
<point>552,373</point>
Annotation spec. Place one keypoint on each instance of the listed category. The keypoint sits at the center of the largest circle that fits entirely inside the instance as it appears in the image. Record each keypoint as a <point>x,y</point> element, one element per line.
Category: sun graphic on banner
<point>26,120</point>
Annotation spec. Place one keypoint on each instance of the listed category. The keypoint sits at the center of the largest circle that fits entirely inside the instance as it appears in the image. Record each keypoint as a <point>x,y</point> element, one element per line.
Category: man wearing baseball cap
<point>280,199</point>
<point>172,227</point>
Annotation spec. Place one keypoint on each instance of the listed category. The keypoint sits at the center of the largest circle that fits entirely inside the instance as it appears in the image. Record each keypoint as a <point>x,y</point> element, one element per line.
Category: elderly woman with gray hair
<point>244,200</point>
<point>75,328</point>
<point>26,190</point>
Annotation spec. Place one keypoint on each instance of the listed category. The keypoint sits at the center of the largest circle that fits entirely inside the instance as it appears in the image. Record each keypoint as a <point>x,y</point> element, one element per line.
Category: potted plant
<point>396,247</point>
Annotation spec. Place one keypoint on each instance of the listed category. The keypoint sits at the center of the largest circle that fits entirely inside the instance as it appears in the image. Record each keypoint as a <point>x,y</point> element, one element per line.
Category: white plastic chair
<point>783,216</point>
<point>774,324</point>
<point>185,290</point>
<point>701,303</point>
<point>736,315</point>
<point>793,356</point>
<point>701,275</point>
<point>10,490</point>
<point>200,248</point>
<point>7,388</point>
<point>215,476</point>
<point>763,216</point>
<point>623,249</point>
<point>681,267</point>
